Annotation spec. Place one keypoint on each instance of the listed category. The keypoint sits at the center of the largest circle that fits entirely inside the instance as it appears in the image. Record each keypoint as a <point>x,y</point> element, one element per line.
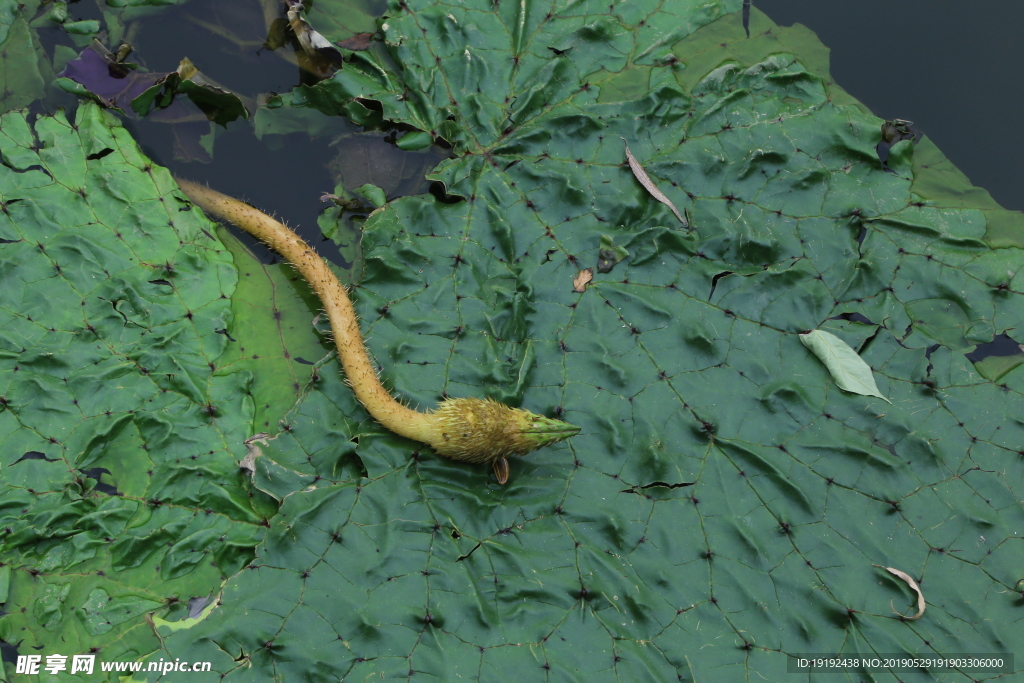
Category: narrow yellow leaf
<point>649,185</point>
<point>913,585</point>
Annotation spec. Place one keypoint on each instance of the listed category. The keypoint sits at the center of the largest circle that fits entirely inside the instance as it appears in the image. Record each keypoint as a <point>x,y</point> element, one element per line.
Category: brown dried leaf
<point>500,470</point>
<point>360,41</point>
<point>913,585</point>
<point>649,185</point>
<point>582,279</point>
<point>252,451</point>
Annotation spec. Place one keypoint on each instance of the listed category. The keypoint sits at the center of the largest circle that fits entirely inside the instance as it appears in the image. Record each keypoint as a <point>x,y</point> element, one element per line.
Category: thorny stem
<point>470,430</point>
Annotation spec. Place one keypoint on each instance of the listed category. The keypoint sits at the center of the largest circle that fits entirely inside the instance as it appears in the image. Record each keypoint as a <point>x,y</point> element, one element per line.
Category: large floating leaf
<point>724,504</point>
<point>120,432</point>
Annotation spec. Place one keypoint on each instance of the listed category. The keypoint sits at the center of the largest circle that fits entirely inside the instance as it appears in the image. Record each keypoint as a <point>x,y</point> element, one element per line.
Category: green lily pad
<point>121,435</point>
<point>723,507</point>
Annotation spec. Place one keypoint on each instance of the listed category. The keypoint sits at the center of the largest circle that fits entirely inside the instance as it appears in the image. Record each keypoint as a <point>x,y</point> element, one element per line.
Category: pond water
<point>955,69</point>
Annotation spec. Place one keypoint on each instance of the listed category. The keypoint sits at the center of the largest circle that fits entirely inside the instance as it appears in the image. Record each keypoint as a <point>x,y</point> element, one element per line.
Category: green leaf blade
<point>849,370</point>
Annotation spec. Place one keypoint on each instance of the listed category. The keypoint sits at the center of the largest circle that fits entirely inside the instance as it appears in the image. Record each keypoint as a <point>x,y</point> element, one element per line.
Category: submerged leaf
<point>113,83</point>
<point>849,370</point>
<point>21,55</point>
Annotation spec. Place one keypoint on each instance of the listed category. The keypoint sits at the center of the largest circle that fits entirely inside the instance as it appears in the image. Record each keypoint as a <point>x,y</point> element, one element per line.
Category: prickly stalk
<point>466,429</point>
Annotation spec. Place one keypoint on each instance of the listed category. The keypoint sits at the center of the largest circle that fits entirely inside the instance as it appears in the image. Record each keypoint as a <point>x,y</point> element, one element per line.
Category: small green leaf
<point>372,194</point>
<point>849,370</point>
<point>57,14</point>
<point>415,140</point>
<point>86,27</point>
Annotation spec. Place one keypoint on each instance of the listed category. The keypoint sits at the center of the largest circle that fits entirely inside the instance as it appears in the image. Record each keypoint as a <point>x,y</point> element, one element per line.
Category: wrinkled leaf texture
<point>723,492</point>
<point>725,502</point>
<point>120,433</point>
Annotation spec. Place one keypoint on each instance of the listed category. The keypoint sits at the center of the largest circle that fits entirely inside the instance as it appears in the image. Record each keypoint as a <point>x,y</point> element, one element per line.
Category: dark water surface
<point>954,68</point>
